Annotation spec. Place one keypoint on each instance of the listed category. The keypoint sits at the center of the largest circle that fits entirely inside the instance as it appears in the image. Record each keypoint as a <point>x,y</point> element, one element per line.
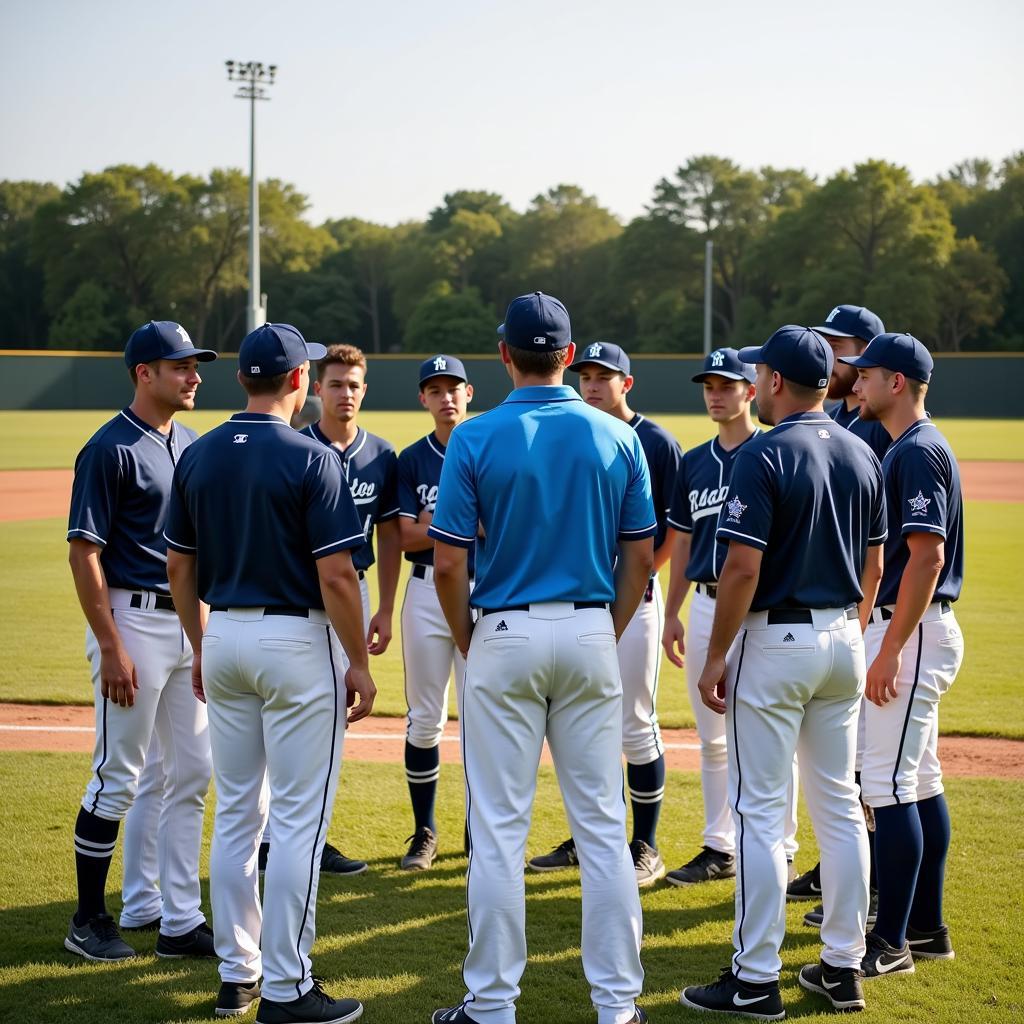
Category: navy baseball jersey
<point>419,474</point>
<point>871,432</point>
<point>663,455</point>
<point>701,489</point>
<point>810,497</point>
<point>371,469</point>
<point>922,494</point>
<point>546,538</point>
<point>258,503</point>
<point>120,495</point>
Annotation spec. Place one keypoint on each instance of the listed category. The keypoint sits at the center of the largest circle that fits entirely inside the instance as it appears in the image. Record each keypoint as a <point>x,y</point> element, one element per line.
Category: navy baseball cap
<point>798,353</point>
<point>852,322</point>
<point>726,362</point>
<point>604,353</point>
<point>537,322</point>
<point>442,366</point>
<point>163,339</point>
<point>274,349</point>
<point>902,353</point>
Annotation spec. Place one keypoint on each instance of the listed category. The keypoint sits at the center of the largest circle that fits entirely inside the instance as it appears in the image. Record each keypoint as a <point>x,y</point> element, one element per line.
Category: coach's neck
<point>522,379</point>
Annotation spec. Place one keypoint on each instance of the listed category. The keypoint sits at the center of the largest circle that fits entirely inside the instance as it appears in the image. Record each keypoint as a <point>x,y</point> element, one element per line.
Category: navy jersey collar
<point>127,413</point>
<point>716,444</point>
<point>916,425</point>
<point>435,445</point>
<point>545,393</point>
<point>817,416</point>
<point>357,442</point>
<point>257,417</point>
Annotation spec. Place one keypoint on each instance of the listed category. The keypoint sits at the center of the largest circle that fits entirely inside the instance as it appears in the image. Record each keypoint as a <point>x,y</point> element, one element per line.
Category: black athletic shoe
<point>707,866</point>
<point>562,856</point>
<point>196,943</point>
<point>930,945</point>
<point>97,939</point>
<point>730,995</point>
<point>839,985</point>
<point>261,857</point>
<point>334,862</point>
<point>806,886</point>
<point>235,998</point>
<point>452,1015</point>
<point>647,862</point>
<point>149,926</point>
<point>422,850</point>
<point>315,1007</point>
<point>881,959</point>
<point>813,918</point>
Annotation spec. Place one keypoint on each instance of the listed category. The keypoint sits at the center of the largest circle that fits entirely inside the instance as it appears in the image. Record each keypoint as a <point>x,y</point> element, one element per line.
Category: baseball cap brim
<point>580,363</point>
<point>454,374</point>
<point>864,364</point>
<point>315,351</point>
<point>704,374</point>
<point>831,331</point>
<point>751,354</point>
<point>204,355</point>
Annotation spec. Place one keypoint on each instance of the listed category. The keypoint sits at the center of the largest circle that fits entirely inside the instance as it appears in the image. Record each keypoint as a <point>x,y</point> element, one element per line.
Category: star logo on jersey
<point>440,363</point>
<point>717,358</point>
<point>824,434</point>
<point>919,504</point>
<point>594,352</point>
<point>735,508</point>
<point>183,334</point>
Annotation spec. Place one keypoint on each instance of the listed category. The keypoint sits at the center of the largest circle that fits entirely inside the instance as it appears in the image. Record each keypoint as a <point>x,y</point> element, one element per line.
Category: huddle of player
<point>821,576</point>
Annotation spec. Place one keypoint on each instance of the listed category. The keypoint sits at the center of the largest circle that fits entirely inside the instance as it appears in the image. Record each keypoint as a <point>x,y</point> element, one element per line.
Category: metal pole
<point>255,317</point>
<point>709,247</point>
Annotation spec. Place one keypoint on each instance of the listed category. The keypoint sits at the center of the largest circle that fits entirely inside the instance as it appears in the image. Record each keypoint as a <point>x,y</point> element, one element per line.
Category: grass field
<point>44,630</point>
<point>50,440</point>
<point>396,941</point>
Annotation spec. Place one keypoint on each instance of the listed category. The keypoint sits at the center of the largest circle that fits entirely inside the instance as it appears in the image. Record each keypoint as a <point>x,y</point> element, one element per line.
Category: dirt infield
<point>67,728</point>
<point>44,493</point>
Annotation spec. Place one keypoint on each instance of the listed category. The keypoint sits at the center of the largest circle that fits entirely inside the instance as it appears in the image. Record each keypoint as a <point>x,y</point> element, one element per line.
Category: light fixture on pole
<point>252,78</point>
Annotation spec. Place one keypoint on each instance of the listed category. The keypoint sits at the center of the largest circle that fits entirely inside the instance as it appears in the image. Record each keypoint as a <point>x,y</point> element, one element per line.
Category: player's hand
<point>118,681</point>
<point>361,686</point>
<point>881,684</point>
<point>378,636</point>
<point>197,676</point>
<point>712,685</point>
<point>673,639</point>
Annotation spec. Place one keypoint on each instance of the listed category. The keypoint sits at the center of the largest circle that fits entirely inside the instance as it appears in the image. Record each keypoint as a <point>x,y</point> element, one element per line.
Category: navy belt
<point>887,612</point>
<point>708,589</point>
<point>578,605</point>
<point>160,602</point>
<point>292,610</point>
<point>795,616</point>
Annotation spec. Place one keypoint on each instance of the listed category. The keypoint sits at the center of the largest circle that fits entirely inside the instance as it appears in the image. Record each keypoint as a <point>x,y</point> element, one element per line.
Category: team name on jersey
<point>707,498</point>
<point>363,492</point>
<point>427,494</point>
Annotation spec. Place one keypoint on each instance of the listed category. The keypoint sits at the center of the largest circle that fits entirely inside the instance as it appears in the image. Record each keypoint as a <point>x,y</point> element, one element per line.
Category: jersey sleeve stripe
<point>647,531</point>
<point>678,526</point>
<point>408,515</point>
<point>340,543</point>
<point>178,546</point>
<point>77,533</point>
<point>923,528</point>
<point>390,514</point>
<point>449,538</point>
<point>745,536</point>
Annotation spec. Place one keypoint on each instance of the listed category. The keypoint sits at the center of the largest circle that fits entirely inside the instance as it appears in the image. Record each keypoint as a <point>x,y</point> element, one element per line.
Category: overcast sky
<point>382,107</point>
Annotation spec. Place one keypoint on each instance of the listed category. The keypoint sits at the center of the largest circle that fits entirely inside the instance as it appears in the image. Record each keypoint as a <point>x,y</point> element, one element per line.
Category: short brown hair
<point>918,388</point>
<point>537,364</point>
<point>255,386</point>
<point>803,392</point>
<point>340,355</point>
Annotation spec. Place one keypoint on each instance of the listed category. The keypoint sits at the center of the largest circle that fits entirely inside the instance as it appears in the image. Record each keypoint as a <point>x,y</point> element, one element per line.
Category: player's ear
<point>627,383</point>
<point>469,393</point>
<point>295,379</point>
<point>423,399</point>
<point>503,351</point>
<point>316,388</point>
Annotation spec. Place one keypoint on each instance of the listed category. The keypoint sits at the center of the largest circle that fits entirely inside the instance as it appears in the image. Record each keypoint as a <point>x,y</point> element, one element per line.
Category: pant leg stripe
<point>103,757</point>
<point>320,823</point>
<point>736,808</point>
<point>906,717</point>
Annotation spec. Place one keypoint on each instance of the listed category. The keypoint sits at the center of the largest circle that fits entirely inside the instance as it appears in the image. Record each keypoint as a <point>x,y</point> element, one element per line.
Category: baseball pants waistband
<point>144,600</point>
<point>707,589</point>
<point>936,610</point>
<point>317,615</point>
<point>426,573</point>
<point>545,609</point>
<point>820,618</point>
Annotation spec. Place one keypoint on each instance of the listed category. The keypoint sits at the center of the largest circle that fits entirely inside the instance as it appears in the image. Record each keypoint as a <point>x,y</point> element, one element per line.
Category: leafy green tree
<point>446,320</point>
<point>970,293</point>
<point>85,321</point>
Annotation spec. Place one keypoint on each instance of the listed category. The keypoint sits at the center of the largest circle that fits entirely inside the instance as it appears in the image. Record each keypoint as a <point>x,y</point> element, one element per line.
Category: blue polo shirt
<point>809,495</point>
<point>663,456</point>
<point>922,495</point>
<point>871,432</point>
<point>556,485</point>
<point>120,495</point>
<point>371,471</point>
<point>701,489</point>
<point>258,503</point>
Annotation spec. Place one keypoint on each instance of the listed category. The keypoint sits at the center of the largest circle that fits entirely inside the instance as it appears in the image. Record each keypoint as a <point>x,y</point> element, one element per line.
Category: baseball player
<point>371,469</point>
<point>791,585</point>
<point>555,485</point>
<point>605,383</point>
<point>140,660</point>
<point>914,649</point>
<point>262,528</point>
<point>429,654</point>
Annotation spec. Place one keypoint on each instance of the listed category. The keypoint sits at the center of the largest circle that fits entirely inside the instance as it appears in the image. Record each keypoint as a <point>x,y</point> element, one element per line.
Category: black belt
<point>578,605</point>
<point>160,602</point>
<point>649,592</point>
<point>708,589</point>
<point>887,613</point>
<point>361,574</point>
<point>419,571</point>
<point>794,616</point>
<point>272,609</point>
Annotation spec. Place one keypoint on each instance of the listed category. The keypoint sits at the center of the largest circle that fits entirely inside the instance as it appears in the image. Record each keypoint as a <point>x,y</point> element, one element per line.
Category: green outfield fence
<point>978,384</point>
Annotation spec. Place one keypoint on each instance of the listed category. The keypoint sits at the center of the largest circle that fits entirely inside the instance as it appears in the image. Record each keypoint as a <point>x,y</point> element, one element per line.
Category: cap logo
<point>254,369</point>
<point>594,352</point>
<point>717,358</point>
<point>241,438</point>
<point>540,340</point>
<point>440,363</point>
<point>828,319</point>
<point>823,382</point>
<point>184,334</point>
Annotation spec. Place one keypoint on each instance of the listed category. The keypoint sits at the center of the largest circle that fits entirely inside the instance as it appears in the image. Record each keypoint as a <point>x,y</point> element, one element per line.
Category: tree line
<point>81,266</point>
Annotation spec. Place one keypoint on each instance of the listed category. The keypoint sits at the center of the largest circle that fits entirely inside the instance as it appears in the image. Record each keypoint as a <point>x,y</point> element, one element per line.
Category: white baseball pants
<point>140,885</point>
<point>277,712</point>
<point>552,671</point>
<point>901,761</point>
<point>796,686</point>
<point>166,706</point>
<point>639,665</point>
<point>719,830</point>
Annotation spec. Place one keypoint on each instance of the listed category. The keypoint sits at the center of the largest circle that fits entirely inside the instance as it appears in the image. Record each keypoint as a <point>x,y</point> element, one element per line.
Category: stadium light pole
<point>253,78</point>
